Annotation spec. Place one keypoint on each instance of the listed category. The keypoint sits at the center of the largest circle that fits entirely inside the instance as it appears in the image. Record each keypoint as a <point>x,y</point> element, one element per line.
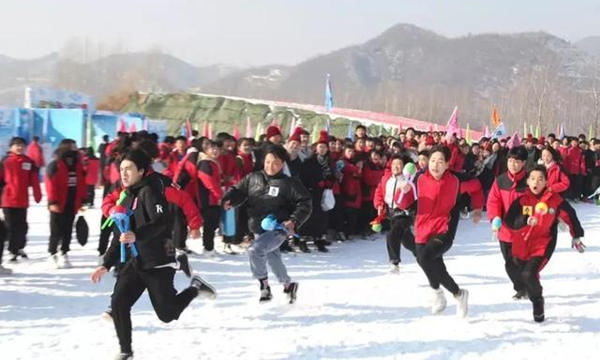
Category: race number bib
<point>26,166</point>
<point>72,179</point>
<point>273,191</point>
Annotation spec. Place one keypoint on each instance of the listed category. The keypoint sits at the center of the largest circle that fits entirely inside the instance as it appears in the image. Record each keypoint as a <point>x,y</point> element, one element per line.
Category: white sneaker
<point>63,262</point>
<point>53,261</point>
<point>439,301</point>
<point>394,269</point>
<point>209,253</point>
<point>462,305</point>
<point>5,271</point>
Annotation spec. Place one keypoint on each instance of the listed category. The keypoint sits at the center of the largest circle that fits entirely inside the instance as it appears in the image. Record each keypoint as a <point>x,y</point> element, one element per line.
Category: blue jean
<point>265,249</point>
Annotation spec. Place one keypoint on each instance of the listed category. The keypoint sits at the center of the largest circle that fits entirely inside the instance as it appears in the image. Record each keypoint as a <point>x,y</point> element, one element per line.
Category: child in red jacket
<point>435,227</point>
<point>211,192</point>
<point>351,190</point>
<point>65,188</point>
<point>17,173</point>
<point>532,219</point>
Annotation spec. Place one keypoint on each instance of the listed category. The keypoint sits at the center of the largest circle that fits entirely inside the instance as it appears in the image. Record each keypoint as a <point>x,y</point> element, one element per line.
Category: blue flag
<point>350,133</point>
<point>499,131</point>
<point>328,95</point>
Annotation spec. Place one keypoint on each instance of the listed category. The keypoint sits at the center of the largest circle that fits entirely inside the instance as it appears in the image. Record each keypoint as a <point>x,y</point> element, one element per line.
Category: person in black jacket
<point>154,267</point>
<point>271,192</point>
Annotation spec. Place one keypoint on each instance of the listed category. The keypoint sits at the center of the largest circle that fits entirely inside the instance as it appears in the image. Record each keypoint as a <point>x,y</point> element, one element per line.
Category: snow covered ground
<point>348,306</point>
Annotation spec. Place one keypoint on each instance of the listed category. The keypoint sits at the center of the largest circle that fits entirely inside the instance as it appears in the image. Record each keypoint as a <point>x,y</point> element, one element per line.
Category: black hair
<point>36,138</point>
<point>518,153</point>
<point>17,140</point>
<point>555,154</point>
<point>278,151</point>
<point>194,133</point>
<point>223,136</point>
<point>181,138</point>
<point>139,158</point>
<point>149,147</point>
<point>105,137</point>
<point>424,153</point>
<point>348,145</point>
<point>360,126</point>
<point>442,149</point>
<point>540,168</point>
<point>169,139</point>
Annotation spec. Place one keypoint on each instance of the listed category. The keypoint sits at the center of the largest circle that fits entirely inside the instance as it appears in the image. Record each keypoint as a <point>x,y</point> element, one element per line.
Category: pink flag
<point>452,126</point>
<point>400,129</point>
<point>236,131</point>
<point>248,127</point>
<point>206,130</point>
<point>292,126</point>
<point>145,124</point>
<point>132,127</point>
<point>121,126</point>
<point>210,130</point>
<point>486,132</point>
<point>514,141</point>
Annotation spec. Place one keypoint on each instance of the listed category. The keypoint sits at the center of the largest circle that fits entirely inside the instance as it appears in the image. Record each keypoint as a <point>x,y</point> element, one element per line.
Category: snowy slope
<point>348,306</point>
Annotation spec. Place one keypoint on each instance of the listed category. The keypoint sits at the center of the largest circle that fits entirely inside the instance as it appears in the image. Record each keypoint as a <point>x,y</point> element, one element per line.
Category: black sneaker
<point>538,309</point>
<point>14,258</point>
<point>302,246</point>
<point>285,247</point>
<point>321,246</point>
<point>204,288</point>
<point>520,295</point>
<point>184,264</point>
<point>22,254</point>
<point>265,295</point>
<point>124,356</point>
<point>291,291</point>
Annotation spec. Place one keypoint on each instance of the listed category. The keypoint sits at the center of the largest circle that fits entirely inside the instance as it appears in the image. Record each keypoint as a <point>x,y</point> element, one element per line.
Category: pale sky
<point>258,32</point>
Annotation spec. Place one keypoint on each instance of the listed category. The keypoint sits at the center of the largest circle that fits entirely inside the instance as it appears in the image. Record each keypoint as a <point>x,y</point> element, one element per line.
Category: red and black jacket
<point>437,211</point>
<point>17,174</point>
<point>209,173</point>
<point>186,176</point>
<point>351,185</point>
<point>92,171</point>
<point>506,188</point>
<point>532,241</point>
<point>245,165</point>
<point>558,180</point>
<point>65,176</point>
<point>35,153</point>
<point>229,169</point>
<point>371,176</point>
<point>575,162</point>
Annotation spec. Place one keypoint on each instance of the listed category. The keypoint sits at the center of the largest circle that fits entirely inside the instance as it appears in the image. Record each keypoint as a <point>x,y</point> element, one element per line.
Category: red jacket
<point>457,159</point>
<point>35,153</point>
<point>437,199</point>
<point>351,185</point>
<point>371,177</point>
<point>209,173</point>
<point>532,241</point>
<point>172,163</point>
<point>380,194</point>
<point>92,172</point>
<point>574,162</point>
<point>504,191</point>
<point>475,191</point>
<point>558,181</point>
<point>245,165</point>
<point>17,174</point>
<point>229,169</point>
<point>59,178</point>
<point>186,177</point>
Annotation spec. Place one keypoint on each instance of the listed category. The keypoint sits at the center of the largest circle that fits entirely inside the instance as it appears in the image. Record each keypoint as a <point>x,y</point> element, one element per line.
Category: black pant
<point>529,273</point>
<point>2,238</point>
<point>16,228</point>
<point>430,258</point>
<point>104,237</point>
<point>400,234</point>
<point>575,190</point>
<point>351,221</point>
<point>511,269</point>
<point>211,215</point>
<point>367,214</point>
<point>130,285</point>
<point>336,218</point>
<point>61,228</point>
<point>90,194</point>
<point>180,231</point>
<point>241,225</point>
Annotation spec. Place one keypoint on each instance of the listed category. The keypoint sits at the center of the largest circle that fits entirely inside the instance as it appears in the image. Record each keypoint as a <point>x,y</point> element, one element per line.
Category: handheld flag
<point>452,126</point>
<point>328,95</point>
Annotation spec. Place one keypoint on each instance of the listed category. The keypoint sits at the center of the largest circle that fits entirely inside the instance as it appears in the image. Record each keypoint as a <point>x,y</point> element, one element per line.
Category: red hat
<point>430,140</point>
<point>323,137</point>
<point>273,131</point>
<point>542,141</point>
<point>296,135</point>
<point>530,137</point>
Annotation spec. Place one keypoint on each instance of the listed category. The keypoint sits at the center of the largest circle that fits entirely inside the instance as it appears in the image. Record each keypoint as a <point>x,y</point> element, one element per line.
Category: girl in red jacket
<point>533,219</point>
<point>435,227</point>
<point>211,192</point>
<point>351,190</point>
<point>371,176</point>
<point>394,197</point>
<point>558,180</point>
<point>17,173</point>
<point>65,188</point>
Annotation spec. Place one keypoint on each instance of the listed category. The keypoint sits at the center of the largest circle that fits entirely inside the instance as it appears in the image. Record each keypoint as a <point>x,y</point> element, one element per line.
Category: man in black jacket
<point>271,192</point>
<point>154,266</point>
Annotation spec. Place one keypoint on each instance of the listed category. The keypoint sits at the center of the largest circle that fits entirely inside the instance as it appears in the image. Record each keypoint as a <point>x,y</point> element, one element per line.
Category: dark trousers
<point>351,221</point>
<point>367,214</point>
<point>104,237</point>
<point>211,215</point>
<point>398,235</point>
<point>180,231</point>
<point>16,228</point>
<point>61,228</point>
<point>576,188</point>
<point>509,265</point>
<point>529,272</point>
<point>2,238</point>
<point>336,216</point>
<point>241,225</point>
<point>130,285</point>
<point>430,258</point>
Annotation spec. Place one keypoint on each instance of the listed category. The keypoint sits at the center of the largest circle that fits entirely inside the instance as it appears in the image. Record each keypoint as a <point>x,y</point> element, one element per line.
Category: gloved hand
<point>578,245</point>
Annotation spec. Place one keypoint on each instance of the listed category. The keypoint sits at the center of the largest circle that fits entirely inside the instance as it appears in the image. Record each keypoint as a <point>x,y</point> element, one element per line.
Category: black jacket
<point>280,195</point>
<point>151,222</point>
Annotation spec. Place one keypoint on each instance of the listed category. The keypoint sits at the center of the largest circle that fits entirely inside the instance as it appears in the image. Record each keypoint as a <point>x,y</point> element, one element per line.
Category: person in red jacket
<point>92,174</point>
<point>505,189</point>
<point>36,153</point>
<point>211,192</point>
<point>371,176</point>
<point>351,190</point>
<point>186,178</point>
<point>65,189</point>
<point>574,164</point>
<point>435,227</point>
<point>175,156</point>
<point>532,219</point>
<point>17,173</point>
<point>558,180</point>
<point>394,197</point>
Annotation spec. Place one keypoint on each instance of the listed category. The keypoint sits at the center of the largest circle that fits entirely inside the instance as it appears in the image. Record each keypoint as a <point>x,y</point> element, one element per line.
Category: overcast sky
<point>257,32</point>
